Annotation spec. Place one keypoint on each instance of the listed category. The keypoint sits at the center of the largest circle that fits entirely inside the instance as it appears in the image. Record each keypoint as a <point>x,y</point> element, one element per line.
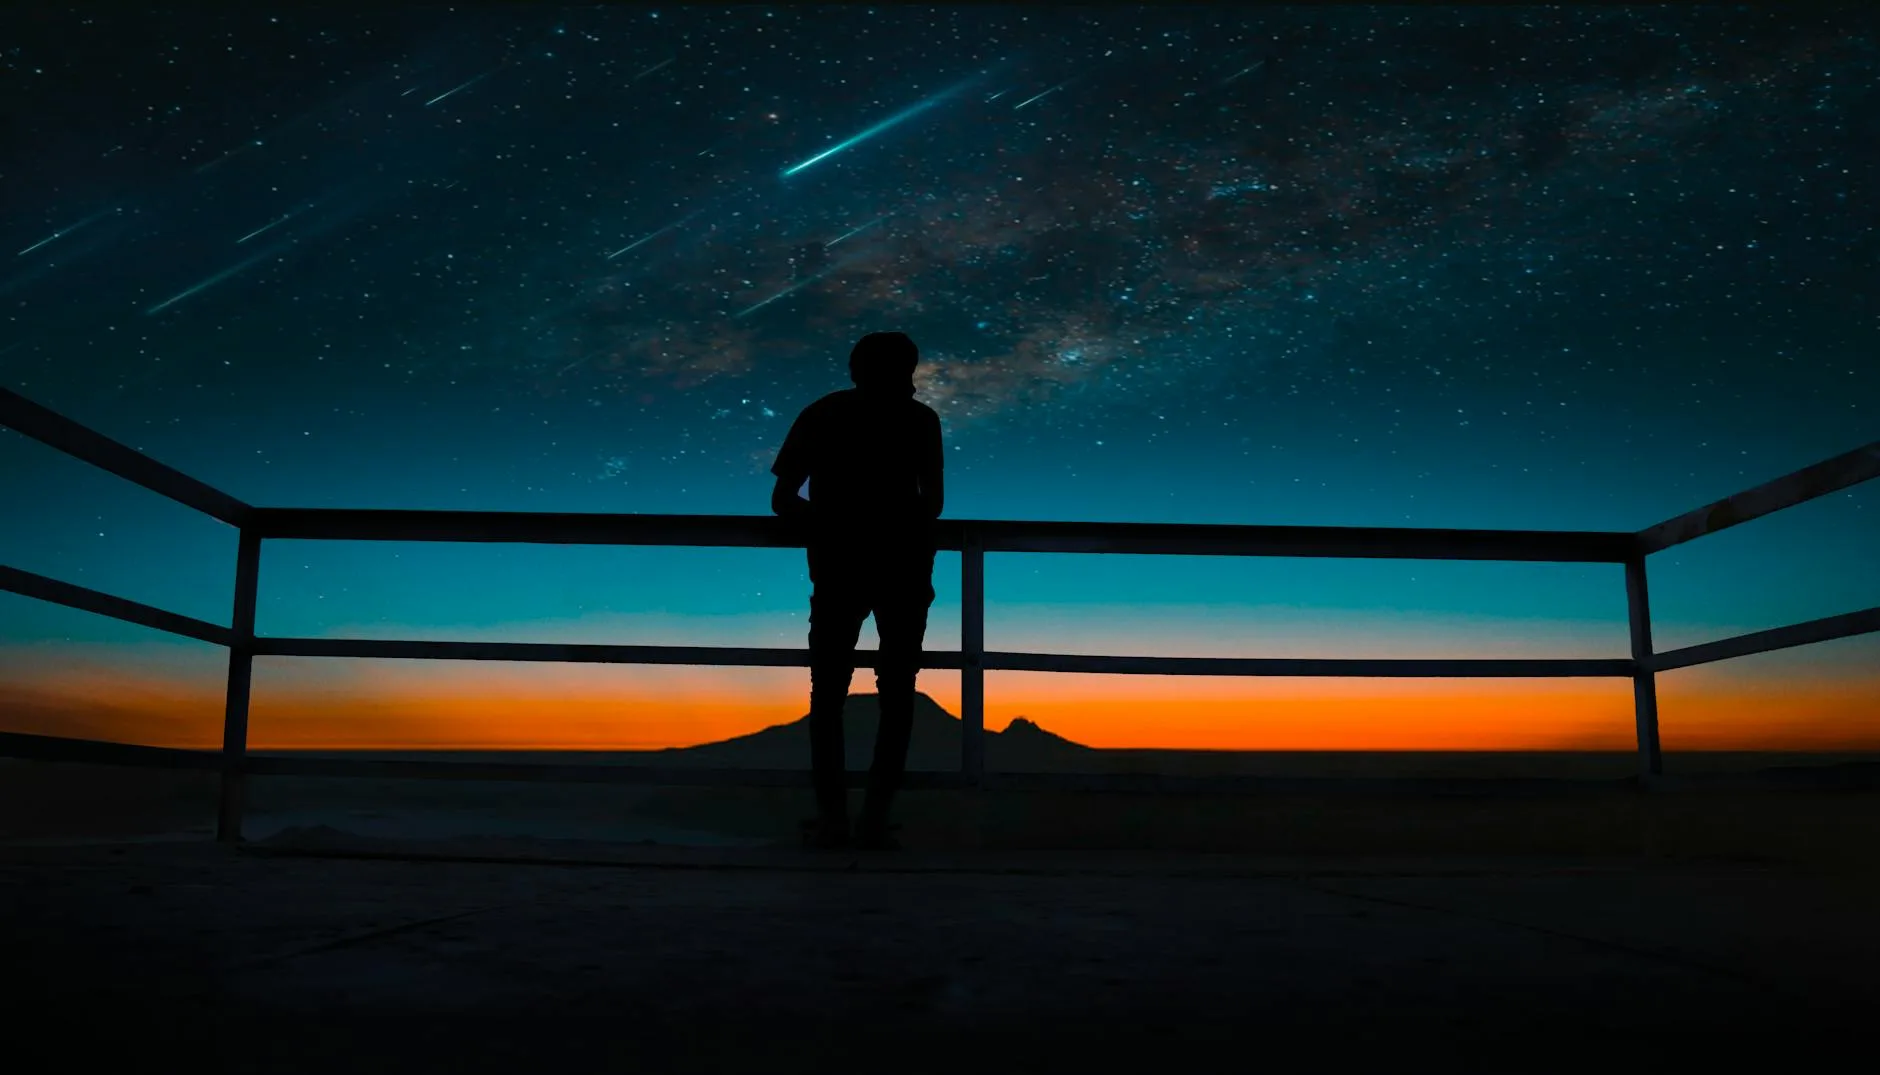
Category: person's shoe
<point>825,834</point>
<point>876,837</point>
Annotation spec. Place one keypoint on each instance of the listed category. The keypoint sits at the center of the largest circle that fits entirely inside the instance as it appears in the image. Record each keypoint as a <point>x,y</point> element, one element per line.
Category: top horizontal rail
<point>763,531</point>
<point>62,433</point>
<point>57,431</point>
<point>1827,476</point>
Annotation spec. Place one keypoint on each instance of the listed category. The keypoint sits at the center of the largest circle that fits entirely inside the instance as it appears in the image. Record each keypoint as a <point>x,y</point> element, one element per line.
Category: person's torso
<point>866,464</point>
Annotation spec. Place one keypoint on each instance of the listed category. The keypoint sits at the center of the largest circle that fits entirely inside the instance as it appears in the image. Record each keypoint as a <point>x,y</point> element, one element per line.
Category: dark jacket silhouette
<point>872,457</point>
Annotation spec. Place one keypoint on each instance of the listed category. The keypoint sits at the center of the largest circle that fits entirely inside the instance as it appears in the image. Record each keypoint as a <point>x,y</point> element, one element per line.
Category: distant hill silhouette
<point>1022,746</point>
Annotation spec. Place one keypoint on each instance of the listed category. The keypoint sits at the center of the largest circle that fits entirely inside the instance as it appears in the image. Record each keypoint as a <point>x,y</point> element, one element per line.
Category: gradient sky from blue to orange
<point>1576,269</point>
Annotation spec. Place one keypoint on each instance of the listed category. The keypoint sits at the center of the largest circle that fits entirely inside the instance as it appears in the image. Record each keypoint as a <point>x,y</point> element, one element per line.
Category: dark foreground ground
<point>442,926</point>
<point>188,956</point>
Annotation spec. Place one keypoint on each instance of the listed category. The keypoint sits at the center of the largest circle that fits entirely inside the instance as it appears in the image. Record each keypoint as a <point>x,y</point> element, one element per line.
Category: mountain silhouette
<point>935,743</point>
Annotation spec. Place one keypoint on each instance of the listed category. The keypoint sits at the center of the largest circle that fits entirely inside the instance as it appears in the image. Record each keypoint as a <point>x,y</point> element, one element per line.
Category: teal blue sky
<point>1579,268</point>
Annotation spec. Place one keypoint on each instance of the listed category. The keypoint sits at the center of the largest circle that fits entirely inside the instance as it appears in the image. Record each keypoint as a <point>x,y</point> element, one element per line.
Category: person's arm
<point>792,470</point>
<point>786,499</point>
<point>932,475</point>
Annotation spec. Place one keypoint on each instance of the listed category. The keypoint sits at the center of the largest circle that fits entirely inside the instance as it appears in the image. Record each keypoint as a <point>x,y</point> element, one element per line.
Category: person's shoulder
<point>830,403</point>
<point>926,413</point>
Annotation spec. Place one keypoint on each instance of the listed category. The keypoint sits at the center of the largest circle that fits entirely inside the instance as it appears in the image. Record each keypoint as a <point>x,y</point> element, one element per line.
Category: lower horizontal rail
<point>758,656</point>
<point>1306,666</point>
<point>98,752</point>
<point>1826,629</point>
<point>71,595</point>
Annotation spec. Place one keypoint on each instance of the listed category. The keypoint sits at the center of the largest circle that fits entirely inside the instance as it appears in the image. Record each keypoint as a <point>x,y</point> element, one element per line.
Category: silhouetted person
<point>872,457</point>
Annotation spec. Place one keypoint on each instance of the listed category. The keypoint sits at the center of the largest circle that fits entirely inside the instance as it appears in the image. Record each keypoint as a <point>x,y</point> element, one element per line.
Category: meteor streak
<point>1046,93</point>
<point>212,281</point>
<point>243,148</point>
<point>892,121</point>
<point>284,218</point>
<point>791,290</point>
<point>63,232</point>
<point>653,68</point>
<point>856,231</point>
<point>650,236</point>
<point>1247,70</point>
<point>461,86</point>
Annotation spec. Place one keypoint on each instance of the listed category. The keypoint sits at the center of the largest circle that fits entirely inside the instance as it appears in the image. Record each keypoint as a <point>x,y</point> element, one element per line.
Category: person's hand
<point>797,518</point>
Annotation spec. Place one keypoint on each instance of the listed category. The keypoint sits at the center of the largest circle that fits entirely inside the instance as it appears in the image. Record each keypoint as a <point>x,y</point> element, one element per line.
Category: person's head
<point>884,362</point>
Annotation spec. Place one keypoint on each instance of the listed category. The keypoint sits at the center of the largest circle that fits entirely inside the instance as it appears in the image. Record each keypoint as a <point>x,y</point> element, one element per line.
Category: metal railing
<point>971,538</point>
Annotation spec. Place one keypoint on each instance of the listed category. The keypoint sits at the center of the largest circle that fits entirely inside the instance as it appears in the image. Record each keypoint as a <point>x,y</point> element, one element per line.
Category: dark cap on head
<point>884,361</point>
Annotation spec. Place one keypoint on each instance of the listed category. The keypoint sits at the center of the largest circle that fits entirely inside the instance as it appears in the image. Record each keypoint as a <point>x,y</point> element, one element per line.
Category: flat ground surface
<point>189,956</point>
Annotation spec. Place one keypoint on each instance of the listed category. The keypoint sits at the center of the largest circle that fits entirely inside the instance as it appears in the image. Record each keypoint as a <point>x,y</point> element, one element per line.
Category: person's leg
<point>901,604</point>
<point>836,611</point>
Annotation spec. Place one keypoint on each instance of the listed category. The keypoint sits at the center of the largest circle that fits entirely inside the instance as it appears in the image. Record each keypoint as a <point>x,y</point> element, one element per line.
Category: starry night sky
<point>1578,268</point>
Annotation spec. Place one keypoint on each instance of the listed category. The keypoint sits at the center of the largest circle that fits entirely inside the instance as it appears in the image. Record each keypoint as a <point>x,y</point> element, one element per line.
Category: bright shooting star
<point>898,118</point>
<point>1036,96</point>
<point>460,86</point>
<point>856,231</point>
<point>63,232</point>
<point>653,68</point>
<point>650,236</point>
<point>212,281</point>
<point>1247,70</point>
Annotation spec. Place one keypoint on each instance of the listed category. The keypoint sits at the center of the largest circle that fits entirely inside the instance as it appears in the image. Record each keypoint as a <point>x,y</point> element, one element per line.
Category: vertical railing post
<point>1644,676</point>
<point>241,657</point>
<point>972,658</point>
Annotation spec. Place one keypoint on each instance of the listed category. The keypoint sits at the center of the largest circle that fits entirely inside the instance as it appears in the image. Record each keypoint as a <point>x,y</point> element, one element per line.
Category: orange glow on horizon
<point>468,709</point>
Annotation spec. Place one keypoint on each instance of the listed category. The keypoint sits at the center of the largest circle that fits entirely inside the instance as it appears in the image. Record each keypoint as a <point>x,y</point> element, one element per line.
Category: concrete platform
<point>186,956</point>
